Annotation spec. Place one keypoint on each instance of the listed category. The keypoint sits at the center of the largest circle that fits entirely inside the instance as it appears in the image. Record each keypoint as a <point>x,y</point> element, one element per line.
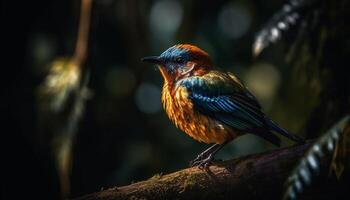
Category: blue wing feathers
<point>235,123</point>
<point>227,111</point>
<point>236,108</point>
<point>283,132</point>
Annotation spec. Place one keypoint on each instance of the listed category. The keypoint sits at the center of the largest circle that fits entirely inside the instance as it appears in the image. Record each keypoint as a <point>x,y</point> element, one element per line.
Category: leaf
<point>293,15</point>
<point>329,146</point>
<point>340,153</point>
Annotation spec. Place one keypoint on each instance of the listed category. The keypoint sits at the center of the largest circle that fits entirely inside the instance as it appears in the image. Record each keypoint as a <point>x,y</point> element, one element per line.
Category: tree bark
<point>259,176</point>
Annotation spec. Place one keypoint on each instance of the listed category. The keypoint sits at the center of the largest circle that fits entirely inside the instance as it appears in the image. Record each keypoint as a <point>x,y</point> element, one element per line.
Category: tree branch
<point>250,177</point>
<point>83,32</point>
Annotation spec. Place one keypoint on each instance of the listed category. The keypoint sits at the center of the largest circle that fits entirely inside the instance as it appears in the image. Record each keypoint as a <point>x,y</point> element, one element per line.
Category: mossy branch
<point>250,177</point>
<point>259,176</point>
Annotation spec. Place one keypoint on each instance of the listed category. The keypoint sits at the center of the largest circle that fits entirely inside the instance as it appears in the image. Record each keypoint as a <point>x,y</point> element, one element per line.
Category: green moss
<point>194,180</point>
<point>156,177</point>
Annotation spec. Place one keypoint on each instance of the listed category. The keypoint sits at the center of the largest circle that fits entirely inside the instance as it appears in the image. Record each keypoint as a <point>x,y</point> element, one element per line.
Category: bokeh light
<point>42,49</point>
<point>165,19</point>
<point>234,20</point>
<point>119,81</point>
<point>147,98</point>
<point>263,80</point>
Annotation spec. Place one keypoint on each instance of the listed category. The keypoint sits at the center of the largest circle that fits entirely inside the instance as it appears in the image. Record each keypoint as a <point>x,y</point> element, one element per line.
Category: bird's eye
<point>179,60</point>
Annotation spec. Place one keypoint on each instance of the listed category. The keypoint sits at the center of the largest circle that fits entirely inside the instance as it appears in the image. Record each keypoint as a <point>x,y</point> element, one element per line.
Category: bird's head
<point>180,61</point>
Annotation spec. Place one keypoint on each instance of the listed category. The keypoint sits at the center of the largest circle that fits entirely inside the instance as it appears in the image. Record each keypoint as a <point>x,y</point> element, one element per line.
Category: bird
<point>209,105</point>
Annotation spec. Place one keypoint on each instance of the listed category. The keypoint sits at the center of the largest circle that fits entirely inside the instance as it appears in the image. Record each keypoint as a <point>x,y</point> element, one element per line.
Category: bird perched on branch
<point>210,106</point>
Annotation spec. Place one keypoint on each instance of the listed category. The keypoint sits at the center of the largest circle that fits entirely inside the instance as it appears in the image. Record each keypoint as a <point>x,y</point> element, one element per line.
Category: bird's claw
<point>202,163</point>
<point>200,157</point>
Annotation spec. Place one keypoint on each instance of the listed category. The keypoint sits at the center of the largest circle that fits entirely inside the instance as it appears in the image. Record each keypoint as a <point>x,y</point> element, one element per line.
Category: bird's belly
<point>200,127</point>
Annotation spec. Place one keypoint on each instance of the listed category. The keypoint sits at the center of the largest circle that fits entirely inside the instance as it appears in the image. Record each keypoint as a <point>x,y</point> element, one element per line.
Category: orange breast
<point>200,127</point>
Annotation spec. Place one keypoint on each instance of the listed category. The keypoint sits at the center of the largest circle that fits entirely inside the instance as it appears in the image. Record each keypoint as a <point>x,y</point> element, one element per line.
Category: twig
<point>83,32</point>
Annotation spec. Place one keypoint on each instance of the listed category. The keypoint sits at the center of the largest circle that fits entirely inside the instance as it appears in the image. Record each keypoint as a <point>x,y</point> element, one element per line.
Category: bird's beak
<point>163,70</point>
<point>152,59</point>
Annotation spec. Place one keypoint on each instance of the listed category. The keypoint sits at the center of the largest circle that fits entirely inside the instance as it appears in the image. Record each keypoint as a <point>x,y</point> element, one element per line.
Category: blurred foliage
<point>330,148</point>
<point>124,135</point>
<point>60,107</point>
<point>63,78</point>
<point>295,16</point>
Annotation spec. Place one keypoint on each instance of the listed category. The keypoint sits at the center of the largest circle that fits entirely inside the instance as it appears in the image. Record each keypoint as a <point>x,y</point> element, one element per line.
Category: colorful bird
<point>209,105</point>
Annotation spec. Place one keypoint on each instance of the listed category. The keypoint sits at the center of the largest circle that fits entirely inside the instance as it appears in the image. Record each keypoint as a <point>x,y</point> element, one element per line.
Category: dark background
<point>124,136</point>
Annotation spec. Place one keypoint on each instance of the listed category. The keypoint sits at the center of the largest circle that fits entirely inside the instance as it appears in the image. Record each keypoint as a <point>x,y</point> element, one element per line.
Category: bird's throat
<point>167,78</point>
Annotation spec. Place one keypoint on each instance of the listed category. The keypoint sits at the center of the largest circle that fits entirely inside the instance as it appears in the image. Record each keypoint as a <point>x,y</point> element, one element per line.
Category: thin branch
<point>83,32</point>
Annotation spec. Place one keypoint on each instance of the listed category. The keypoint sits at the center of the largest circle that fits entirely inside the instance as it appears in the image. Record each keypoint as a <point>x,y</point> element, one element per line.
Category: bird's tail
<point>273,126</point>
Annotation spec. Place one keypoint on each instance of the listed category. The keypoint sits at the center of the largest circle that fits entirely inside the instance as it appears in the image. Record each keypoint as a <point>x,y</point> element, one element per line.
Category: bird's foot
<point>204,162</point>
<point>199,158</point>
